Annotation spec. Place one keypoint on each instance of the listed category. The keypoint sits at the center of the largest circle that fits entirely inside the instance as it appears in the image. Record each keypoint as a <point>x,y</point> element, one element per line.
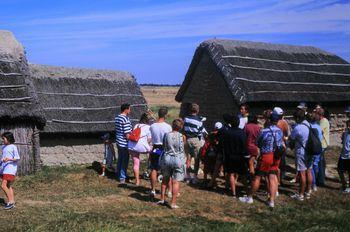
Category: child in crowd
<point>344,159</point>
<point>8,169</point>
<point>109,154</point>
<point>208,153</point>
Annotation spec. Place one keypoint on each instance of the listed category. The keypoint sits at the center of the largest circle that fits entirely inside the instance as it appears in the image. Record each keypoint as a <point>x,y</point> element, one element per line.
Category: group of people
<point>239,147</point>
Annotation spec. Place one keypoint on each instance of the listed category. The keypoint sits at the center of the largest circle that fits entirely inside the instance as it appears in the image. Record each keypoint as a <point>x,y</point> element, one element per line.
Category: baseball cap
<point>277,111</point>
<point>302,105</point>
<point>218,125</point>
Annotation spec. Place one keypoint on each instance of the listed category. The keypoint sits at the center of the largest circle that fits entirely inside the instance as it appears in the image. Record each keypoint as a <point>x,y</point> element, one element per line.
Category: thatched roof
<point>77,100</point>
<point>263,72</point>
<point>18,101</point>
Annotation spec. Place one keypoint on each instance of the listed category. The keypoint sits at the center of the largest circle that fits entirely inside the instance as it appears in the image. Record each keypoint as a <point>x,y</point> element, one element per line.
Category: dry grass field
<point>76,198</point>
<point>158,96</point>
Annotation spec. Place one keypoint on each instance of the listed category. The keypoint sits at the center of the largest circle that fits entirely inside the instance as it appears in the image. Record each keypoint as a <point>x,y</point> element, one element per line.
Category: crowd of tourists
<point>238,147</point>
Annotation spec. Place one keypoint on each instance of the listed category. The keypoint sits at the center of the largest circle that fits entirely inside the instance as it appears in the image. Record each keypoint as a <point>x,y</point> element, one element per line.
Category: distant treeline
<point>160,85</point>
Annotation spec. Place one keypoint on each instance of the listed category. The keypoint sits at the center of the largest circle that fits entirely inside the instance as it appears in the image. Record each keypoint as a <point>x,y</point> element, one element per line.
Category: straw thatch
<point>263,72</point>
<point>20,112</point>
<point>226,73</point>
<point>18,101</point>
<point>78,100</point>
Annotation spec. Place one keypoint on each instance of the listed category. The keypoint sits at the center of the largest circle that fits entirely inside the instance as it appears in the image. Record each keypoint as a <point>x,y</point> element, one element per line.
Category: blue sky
<point>156,40</point>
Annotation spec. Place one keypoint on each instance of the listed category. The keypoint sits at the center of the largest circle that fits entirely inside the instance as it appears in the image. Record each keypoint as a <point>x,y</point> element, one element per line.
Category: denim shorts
<point>173,166</point>
<point>302,163</point>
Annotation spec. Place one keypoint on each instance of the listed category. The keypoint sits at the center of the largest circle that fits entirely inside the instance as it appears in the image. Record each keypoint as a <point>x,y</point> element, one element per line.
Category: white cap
<point>277,111</point>
<point>302,105</point>
<point>218,125</point>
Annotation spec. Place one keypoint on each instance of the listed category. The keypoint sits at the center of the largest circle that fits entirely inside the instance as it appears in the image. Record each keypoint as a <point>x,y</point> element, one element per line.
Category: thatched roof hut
<point>20,112</point>
<point>225,73</point>
<point>77,100</point>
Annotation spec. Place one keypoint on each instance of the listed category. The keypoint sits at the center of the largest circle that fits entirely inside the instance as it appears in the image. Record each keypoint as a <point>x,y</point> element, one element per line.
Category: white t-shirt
<point>158,130</point>
<point>141,146</point>
<point>242,121</point>
<point>9,167</point>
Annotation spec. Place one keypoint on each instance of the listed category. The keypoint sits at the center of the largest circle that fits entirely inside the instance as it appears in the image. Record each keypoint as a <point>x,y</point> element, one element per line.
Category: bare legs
<point>305,181</point>
<point>8,190</point>
<point>175,186</point>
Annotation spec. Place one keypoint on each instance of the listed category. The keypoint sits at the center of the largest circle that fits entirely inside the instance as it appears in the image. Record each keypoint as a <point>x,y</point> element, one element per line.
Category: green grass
<point>76,199</point>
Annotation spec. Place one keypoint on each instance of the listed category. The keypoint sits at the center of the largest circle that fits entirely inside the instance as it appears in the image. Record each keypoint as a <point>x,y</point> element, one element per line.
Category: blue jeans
<point>315,168</point>
<point>123,162</point>
<point>321,177</point>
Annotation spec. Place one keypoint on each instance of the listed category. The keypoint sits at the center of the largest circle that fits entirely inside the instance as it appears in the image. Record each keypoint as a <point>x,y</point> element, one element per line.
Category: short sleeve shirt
<point>122,127</point>
<point>300,134</point>
<point>266,139</point>
<point>158,130</point>
<point>10,167</point>
<point>324,123</point>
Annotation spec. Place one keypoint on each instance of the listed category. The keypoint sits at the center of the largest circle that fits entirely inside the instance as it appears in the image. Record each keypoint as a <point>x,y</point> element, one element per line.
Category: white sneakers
<point>297,197</point>
<point>245,199</point>
<point>308,195</point>
<point>347,190</point>
<point>271,204</point>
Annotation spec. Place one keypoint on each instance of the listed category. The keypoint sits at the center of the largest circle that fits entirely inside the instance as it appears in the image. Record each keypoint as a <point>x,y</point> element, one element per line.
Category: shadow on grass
<point>97,167</point>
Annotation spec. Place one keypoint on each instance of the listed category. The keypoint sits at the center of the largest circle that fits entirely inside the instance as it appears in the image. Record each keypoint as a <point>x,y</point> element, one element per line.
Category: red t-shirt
<point>252,131</point>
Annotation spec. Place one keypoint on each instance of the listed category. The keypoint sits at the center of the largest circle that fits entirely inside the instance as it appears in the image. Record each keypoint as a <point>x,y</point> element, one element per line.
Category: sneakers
<point>293,180</point>
<point>9,206</point>
<point>297,196</point>
<point>161,202</point>
<point>248,200</point>
<point>314,188</point>
<point>347,190</point>
<point>174,207</point>
<point>152,193</point>
<point>271,204</point>
<point>308,195</point>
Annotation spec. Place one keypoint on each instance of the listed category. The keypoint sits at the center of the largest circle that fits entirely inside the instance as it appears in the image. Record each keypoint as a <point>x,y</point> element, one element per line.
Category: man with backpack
<point>306,144</point>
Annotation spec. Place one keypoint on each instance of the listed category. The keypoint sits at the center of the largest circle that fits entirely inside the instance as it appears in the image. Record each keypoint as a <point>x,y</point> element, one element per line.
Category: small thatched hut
<point>225,73</point>
<point>20,112</point>
<point>80,105</point>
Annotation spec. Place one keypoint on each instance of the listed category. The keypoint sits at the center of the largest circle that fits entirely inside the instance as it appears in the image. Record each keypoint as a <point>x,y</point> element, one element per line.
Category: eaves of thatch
<point>18,101</point>
<point>77,100</point>
<point>263,72</point>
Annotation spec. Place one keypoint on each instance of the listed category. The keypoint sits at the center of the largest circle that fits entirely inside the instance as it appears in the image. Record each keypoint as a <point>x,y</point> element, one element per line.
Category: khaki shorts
<point>192,147</point>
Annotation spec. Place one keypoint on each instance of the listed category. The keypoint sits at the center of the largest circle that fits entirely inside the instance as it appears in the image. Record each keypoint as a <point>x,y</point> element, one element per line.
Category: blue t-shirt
<point>265,140</point>
<point>345,153</point>
<point>300,135</point>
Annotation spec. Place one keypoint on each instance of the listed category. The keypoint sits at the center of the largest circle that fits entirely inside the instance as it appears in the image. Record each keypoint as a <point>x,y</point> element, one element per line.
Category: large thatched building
<point>20,112</point>
<point>225,73</point>
<point>80,105</point>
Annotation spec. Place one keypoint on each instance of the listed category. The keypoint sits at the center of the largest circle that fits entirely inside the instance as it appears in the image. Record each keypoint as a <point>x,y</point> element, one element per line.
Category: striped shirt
<point>193,126</point>
<point>122,127</point>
